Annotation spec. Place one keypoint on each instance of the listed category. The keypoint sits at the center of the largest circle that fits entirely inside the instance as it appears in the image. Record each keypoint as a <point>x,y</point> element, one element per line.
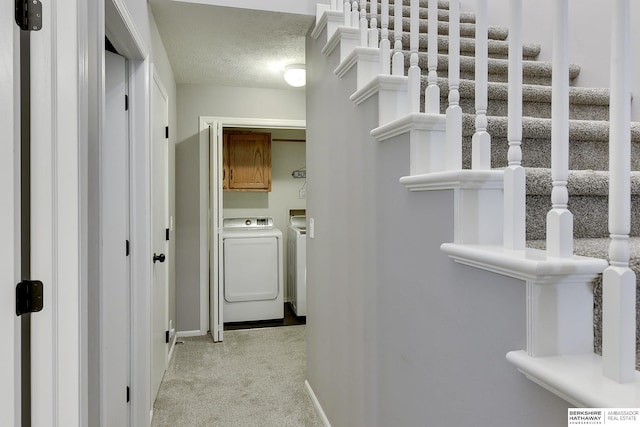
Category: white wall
<point>589,36</point>
<point>397,333</point>
<point>194,101</point>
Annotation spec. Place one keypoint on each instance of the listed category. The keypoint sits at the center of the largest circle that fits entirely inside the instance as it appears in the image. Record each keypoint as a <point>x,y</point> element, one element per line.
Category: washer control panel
<point>251,223</point>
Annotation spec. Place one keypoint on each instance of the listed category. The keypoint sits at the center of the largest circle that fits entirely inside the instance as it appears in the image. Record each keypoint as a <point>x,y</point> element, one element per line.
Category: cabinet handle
<point>231,175</point>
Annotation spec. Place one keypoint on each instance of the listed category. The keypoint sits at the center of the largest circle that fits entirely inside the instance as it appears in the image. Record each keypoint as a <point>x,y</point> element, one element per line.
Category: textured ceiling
<point>227,46</point>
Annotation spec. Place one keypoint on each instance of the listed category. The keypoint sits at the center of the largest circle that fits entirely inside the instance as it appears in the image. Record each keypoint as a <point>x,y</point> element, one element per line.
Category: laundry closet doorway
<point>211,212</point>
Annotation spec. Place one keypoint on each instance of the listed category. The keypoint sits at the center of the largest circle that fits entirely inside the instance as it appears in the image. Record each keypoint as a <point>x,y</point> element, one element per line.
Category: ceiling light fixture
<point>295,75</point>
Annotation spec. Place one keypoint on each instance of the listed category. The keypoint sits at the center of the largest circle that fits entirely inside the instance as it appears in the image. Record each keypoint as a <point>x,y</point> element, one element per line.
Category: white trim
<point>205,263</point>
<point>171,347</point>
<point>194,333</point>
<point>578,379</point>
<point>10,370</point>
<point>316,404</point>
<point>117,20</point>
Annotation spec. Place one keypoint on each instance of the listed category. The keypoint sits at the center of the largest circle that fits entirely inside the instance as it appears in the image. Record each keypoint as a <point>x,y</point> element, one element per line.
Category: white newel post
<point>481,140</point>
<point>385,44</point>
<point>559,218</point>
<point>514,174</point>
<point>398,56</point>
<point>364,25</point>
<point>373,32</point>
<point>432,93</point>
<point>414,69</point>
<point>454,111</point>
<point>619,281</point>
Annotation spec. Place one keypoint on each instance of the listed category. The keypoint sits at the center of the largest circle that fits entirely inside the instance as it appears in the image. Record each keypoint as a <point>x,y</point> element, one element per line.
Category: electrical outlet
<point>302,194</point>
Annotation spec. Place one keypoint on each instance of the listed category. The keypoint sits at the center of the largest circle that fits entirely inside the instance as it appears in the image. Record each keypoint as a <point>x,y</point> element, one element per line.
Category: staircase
<point>588,182</point>
<point>589,136</point>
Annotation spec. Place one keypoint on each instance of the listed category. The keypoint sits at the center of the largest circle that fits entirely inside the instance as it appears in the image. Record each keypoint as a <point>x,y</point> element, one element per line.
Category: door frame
<point>210,261</point>
<point>156,80</point>
<point>10,356</point>
<point>115,21</point>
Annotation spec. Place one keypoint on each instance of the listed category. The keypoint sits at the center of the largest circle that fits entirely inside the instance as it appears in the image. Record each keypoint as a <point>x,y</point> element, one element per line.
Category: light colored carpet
<point>254,378</point>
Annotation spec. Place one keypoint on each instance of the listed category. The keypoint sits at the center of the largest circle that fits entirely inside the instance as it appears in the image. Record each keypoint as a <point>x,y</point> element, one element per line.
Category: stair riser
<point>530,109</point>
<point>442,4</point>
<point>423,13</point>
<point>497,49</point>
<point>536,153</point>
<point>590,218</point>
<point>466,30</point>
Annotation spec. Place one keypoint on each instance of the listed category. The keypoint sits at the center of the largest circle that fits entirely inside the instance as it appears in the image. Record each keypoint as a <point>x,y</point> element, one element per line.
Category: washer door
<point>250,269</point>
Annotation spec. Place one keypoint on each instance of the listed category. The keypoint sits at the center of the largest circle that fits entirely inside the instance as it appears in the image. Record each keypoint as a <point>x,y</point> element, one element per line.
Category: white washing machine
<point>253,270</point>
<point>297,264</point>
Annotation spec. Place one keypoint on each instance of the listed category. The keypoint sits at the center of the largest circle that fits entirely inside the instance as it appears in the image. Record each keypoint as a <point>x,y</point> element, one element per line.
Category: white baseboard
<point>194,333</point>
<point>316,404</point>
<point>173,345</point>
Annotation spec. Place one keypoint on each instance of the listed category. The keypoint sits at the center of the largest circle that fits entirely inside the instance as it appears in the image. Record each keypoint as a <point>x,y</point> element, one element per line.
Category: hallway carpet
<point>253,378</point>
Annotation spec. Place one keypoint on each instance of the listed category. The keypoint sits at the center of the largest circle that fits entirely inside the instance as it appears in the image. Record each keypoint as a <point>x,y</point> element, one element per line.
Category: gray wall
<point>589,37</point>
<point>194,101</point>
<point>397,333</point>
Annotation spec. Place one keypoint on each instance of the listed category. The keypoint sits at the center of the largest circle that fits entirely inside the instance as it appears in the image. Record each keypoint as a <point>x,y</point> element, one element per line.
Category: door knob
<point>157,257</point>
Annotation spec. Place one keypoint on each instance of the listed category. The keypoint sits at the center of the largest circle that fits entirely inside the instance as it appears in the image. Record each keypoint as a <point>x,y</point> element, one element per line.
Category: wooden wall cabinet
<point>246,161</point>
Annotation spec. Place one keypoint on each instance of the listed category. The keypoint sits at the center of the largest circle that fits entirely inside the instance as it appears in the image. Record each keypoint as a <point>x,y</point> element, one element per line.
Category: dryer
<point>297,264</point>
<point>253,270</point>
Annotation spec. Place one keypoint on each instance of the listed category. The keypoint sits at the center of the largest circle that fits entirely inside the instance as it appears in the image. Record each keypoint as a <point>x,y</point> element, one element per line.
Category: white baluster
<point>454,112</point>
<point>334,4</point>
<point>414,69</point>
<point>398,56</point>
<point>385,44</point>
<point>619,281</point>
<point>481,140</point>
<point>432,93</point>
<point>364,25</point>
<point>559,219</point>
<point>514,175</point>
<point>355,15</point>
<point>374,34</point>
<point>347,13</point>
<point>340,5</point>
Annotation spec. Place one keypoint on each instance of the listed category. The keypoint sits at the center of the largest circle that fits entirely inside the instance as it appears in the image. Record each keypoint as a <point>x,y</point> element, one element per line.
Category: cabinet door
<point>249,161</point>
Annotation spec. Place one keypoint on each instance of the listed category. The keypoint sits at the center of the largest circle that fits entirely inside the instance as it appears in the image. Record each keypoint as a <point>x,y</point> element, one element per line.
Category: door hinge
<point>127,248</point>
<point>128,394</point>
<point>166,234</point>
<point>29,297</point>
<point>29,15</point>
<point>126,103</point>
<point>166,337</point>
<point>166,132</point>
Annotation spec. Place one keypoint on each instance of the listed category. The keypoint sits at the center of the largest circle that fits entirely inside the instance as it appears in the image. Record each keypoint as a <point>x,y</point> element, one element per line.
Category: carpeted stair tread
<point>540,128</point>
<point>534,72</point>
<point>580,182</point>
<point>423,13</point>
<point>466,29</point>
<point>497,48</point>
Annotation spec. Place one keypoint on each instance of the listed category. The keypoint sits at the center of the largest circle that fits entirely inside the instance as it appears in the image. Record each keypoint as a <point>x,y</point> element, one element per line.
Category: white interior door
<point>160,223</point>
<point>114,262</point>
<point>9,216</point>
<point>215,243</point>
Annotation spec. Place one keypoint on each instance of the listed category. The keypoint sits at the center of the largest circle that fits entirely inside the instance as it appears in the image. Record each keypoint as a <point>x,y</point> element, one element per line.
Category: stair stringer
<point>558,290</point>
